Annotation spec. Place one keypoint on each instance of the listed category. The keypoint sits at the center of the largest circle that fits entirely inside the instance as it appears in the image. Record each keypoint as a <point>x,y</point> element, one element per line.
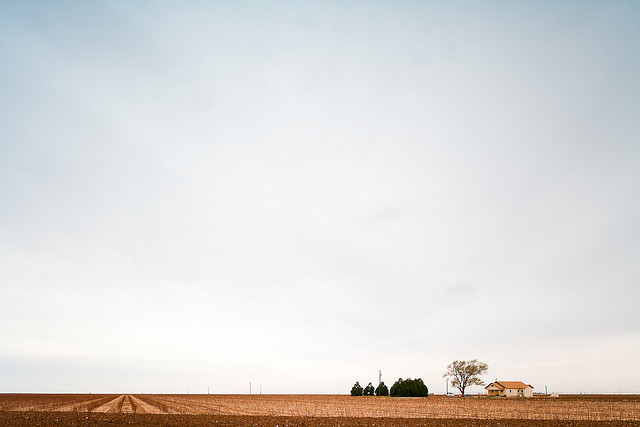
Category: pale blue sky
<point>299,194</point>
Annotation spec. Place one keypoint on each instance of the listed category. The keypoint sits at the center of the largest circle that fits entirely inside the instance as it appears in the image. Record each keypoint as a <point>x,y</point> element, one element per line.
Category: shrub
<point>382,390</point>
<point>356,390</point>
<point>368,390</point>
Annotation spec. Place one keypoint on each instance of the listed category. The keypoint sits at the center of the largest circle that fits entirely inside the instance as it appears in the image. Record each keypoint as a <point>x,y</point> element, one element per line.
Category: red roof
<point>509,384</point>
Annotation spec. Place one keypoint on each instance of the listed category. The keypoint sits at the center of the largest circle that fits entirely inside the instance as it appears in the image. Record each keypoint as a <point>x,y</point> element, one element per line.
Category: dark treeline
<point>401,388</point>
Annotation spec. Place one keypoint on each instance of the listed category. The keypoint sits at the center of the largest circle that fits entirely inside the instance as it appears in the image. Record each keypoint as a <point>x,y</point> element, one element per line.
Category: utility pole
<point>207,389</point>
<point>249,387</point>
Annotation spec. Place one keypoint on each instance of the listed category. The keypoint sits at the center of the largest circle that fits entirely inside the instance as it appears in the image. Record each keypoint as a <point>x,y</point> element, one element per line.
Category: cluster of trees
<point>401,388</point>
<point>409,388</point>
<point>462,373</point>
<point>381,390</point>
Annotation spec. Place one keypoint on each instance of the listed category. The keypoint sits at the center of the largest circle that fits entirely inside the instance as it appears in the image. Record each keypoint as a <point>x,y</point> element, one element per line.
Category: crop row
<point>52,402</point>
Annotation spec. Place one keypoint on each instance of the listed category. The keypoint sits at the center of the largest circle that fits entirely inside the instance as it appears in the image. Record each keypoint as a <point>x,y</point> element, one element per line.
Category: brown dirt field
<point>53,402</point>
<point>603,408</point>
<point>76,419</point>
<point>315,410</point>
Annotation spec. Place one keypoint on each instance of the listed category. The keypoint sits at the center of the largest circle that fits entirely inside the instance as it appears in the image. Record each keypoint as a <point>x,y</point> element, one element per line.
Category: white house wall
<point>513,392</point>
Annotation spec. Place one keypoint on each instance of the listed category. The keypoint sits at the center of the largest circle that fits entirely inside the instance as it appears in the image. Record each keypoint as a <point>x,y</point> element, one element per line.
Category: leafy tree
<point>464,373</point>
<point>382,390</point>
<point>409,388</point>
<point>368,390</point>
<point>356,390</point>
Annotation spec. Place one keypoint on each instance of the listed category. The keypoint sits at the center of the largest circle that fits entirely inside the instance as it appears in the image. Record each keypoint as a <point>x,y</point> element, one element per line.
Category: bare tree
<point>464,373</point>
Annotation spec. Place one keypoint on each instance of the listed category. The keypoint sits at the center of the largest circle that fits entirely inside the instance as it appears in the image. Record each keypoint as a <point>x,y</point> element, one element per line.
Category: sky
<point>199,195</point>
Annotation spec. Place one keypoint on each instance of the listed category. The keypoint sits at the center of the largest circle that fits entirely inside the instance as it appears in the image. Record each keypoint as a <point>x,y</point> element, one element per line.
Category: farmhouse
<point>509,389</point>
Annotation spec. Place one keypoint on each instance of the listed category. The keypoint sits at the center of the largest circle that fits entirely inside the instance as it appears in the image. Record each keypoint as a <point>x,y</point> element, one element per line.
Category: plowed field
<point>314,410</point>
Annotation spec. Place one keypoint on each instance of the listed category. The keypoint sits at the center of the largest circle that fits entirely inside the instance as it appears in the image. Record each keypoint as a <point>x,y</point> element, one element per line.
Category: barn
<point>509,389</point>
